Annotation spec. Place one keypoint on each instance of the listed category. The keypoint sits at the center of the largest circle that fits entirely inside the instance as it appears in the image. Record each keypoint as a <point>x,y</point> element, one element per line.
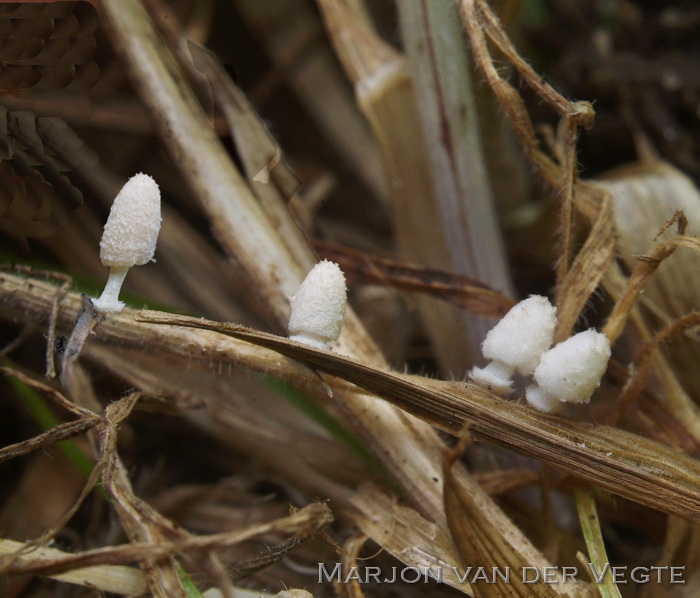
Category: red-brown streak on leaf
<point>462,291</point>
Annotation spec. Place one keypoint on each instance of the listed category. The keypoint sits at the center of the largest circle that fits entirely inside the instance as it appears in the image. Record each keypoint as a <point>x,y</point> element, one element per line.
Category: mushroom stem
<point>543,401</point>
<point>109,300</point>
<point>312,340</point>
<point>496,376</point>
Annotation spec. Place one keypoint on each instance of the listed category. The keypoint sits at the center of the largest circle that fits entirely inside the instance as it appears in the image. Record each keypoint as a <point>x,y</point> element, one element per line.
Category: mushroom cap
<point>130,234</point>
<point>318,308</point>
<point>572,370</point>
<point>523,334</point>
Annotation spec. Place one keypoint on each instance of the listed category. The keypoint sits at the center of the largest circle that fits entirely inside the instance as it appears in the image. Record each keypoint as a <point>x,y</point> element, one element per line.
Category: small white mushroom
<point>569,372</point>
<point>516,343</point>
<point>129,237</point>
<point>318,308</point>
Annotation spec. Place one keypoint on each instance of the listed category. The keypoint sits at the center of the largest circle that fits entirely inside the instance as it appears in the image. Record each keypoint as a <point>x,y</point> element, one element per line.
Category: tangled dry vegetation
<point>190,448</point>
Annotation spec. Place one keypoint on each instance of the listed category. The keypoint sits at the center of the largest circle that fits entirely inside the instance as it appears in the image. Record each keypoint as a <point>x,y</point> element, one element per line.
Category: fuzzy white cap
<point>570,371</point>
<point>318,308</point>
<point>523,334</point>
<point>516,343</point>
<point>129,237</point>
<point>131,232</point>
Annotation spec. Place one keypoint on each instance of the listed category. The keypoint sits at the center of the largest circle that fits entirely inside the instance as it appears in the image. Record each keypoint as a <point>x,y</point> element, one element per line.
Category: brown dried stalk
<point>305,522</point>
<point>86,420</point>
<point>642,368</point>
<point>579,276</point>
<point>645,269</point>
<point>626,464</point>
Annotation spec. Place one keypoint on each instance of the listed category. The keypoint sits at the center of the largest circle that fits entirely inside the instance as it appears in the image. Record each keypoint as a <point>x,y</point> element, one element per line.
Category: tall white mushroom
<point>569,372</point>
<point>516,343</point>
<point>129,237</point>
<point>318,308</point>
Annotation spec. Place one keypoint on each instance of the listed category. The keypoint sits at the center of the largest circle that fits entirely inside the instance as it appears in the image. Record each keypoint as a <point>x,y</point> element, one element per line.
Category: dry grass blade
<point>628,465</point>
<point>51,393</point>
<point>292,33</point>
<point>268,173</point>
<point>590,525</point>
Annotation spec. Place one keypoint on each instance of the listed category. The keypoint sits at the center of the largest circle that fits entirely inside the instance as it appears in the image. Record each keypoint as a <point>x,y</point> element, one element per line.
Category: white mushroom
<point>318,308</point>
<point>569,372</point>
<point>516,343</point>
<point>129,237</point>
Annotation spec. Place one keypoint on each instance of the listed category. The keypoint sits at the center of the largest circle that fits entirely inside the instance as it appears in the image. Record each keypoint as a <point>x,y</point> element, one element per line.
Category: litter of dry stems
<point>454,521</point>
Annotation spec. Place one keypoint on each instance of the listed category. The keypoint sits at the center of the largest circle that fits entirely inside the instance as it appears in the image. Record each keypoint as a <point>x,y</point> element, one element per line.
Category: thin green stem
<point>590,526</point>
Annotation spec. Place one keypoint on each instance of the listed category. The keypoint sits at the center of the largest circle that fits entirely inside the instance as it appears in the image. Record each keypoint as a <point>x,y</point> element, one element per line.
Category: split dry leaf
<point>407,535</point>
<point>482,541</point>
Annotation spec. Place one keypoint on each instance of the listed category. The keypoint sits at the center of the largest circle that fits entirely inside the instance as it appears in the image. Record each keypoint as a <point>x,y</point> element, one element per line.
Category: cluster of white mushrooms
<point>569,372</point>
<point>520,343</point>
